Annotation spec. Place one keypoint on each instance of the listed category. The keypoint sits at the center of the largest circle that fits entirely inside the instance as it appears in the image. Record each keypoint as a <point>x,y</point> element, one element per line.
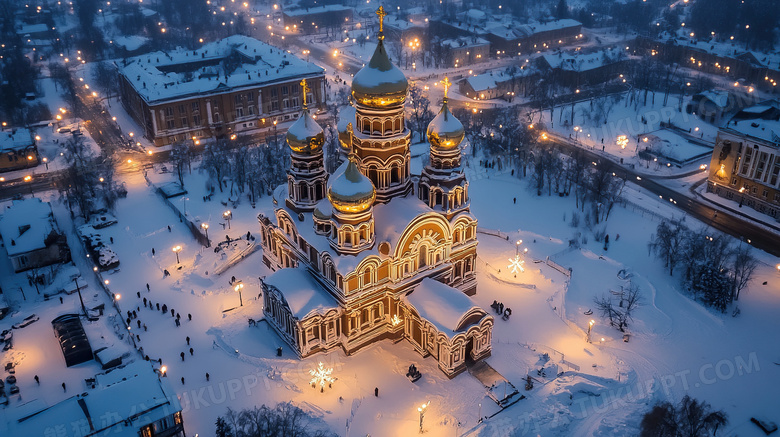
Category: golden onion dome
<point>305,135</point>
<point>350,191</point>
<point>445,131</point>
<point>380,83</point>
<point>323,210</point>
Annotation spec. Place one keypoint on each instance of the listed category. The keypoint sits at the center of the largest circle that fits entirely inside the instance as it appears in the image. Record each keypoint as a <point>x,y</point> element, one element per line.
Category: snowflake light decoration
<point>321,376</point>
<point>396,320</point>
<point>516,264</point>
<point>622,141</point>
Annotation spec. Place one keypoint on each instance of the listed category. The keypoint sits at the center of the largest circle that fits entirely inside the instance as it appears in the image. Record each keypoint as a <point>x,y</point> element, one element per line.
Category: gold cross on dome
<point>381,13</point>
<point>305,88</point>
<point>446,82</point>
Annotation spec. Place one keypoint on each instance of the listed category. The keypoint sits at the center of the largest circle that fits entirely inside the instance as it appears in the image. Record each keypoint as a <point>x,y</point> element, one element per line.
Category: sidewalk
<point>751,214</point>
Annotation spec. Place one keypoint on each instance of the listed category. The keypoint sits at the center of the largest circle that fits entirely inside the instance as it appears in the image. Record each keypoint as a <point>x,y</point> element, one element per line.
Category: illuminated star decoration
<point>516,264</point>
<point>622,141</point>
<point>321,376</point>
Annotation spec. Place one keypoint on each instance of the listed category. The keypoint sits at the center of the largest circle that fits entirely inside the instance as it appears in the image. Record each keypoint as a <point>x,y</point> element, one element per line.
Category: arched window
<point>395,174</point>
<point>373,175</point>
<point>366,277</point>
<point>422,258</point>
<point>424,193</point>
<point>376,127</point>
<point>438,198</point>
<point>347,237</point>
<point>304,189</point>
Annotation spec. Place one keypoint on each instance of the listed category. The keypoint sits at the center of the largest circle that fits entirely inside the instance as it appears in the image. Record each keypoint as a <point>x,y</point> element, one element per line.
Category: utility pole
<point>81,299</point>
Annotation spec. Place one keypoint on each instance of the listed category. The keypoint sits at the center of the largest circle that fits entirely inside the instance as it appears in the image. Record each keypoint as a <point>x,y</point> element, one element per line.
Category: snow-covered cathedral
<point>366,253</point>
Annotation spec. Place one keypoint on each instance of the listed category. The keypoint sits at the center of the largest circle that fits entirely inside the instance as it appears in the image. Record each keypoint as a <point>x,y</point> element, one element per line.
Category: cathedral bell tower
<point>378,136</point>
<point>352,196</point>
<point>306,178</point>
<point>443,186</point>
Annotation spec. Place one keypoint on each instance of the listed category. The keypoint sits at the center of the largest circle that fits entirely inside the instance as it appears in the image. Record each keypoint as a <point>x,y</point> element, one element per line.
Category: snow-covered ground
<point>677,347</point>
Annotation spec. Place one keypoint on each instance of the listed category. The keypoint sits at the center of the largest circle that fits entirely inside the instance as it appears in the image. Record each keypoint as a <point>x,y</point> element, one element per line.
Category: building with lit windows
<point>17,150</point>
<point>129,401</point>
<point>234,86</point>
<point>317,19</point>
<point>745,163</point>
<point>365,253</point>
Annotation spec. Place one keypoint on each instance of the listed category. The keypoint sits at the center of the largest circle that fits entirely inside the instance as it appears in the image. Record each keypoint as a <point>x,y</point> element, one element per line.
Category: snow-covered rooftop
<point>130,43</point>
<point>552,25</point>
<point>133,393</point>
<point>583,61</point>
<point>304,295</point>
<point>440,304</point>
<point>316,10</point>
<point>160,76</point>
<point>464,41</point>
<point>718,97</point>
<point>730,48</point>
<point>485,81</point>
<point>10,141</point>
<point>25,224</point>
<point>767,130</point>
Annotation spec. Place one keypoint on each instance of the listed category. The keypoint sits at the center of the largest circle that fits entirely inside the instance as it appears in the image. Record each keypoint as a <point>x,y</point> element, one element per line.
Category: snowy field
<point>676,347</point>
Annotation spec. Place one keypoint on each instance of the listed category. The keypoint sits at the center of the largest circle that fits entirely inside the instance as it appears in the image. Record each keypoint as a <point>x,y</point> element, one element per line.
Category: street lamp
<point>422,409</point>
<point>742,199</point>
<point>176,250</point>
<point>590,326</point>
<point>227,215</point>
<point>205,227</point>
<point>238,288</point>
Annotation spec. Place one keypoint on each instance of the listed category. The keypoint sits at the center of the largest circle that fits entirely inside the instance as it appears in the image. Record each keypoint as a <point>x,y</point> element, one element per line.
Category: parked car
<point>103,220</point>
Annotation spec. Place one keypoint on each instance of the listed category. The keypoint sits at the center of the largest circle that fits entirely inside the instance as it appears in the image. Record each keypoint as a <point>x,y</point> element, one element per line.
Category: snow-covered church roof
<point>303,294</point>
<point>443,306</point>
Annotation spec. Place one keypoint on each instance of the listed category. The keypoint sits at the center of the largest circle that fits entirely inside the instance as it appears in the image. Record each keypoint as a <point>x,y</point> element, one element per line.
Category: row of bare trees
<point>284,420</point>
<point>714,270</point>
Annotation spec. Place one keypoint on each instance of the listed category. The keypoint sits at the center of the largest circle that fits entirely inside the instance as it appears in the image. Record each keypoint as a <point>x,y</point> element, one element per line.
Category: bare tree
<point>690,418</point>
<point>667,243</point>
<point>744,266</point>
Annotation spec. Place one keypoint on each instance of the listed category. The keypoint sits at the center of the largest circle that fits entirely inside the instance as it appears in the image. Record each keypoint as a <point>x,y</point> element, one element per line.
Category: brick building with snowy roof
<point>234,86</point>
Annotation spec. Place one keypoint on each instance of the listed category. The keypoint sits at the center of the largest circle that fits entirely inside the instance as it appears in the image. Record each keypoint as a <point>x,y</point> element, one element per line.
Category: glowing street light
<point>227,215</point>
<point>176,250</point>
<point>238,288</point>
<point>590,327</point>
<point>422,409</point>
<point>205,227</point>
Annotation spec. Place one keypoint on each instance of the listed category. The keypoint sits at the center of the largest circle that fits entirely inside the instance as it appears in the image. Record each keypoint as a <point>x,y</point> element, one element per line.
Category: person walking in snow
<point>207,376</point>
<point>192,351</point>
<point>158,306</point>
<point>153,251</point>
<point>164,308</point>
<point>188,340</point>
<point>63,387</point>
<point>182,380</point>
<point>147,287</point>
<point>189,316</point>
<point>182,356</point>
<point>37,380</point>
